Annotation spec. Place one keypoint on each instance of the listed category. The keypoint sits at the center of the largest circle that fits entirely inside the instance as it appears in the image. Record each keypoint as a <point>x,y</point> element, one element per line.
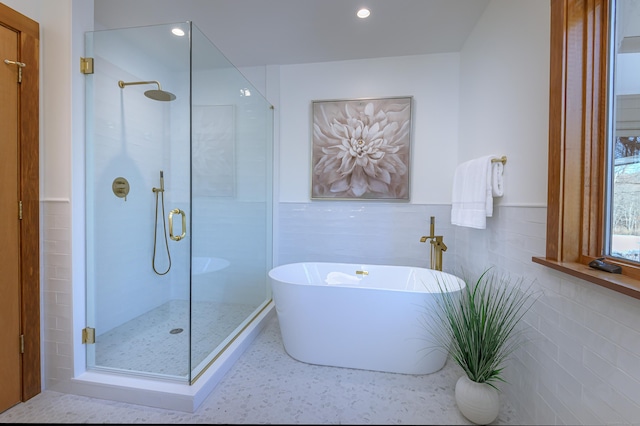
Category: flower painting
<point>360,149</point>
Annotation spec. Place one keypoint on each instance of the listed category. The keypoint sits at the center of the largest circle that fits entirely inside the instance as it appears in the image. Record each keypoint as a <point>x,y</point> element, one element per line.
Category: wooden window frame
<point>578,103</point>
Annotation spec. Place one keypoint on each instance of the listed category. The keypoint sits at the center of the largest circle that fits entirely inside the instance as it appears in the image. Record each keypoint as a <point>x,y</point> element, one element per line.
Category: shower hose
<point>164,228</point>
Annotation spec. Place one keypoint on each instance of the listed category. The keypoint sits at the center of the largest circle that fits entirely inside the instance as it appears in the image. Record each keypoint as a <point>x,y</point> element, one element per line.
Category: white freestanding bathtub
<point>368,317</point>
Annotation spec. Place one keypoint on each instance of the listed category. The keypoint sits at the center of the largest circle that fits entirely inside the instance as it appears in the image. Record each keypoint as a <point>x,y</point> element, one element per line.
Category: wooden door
<point>10,359</point>
<point>19,204</point>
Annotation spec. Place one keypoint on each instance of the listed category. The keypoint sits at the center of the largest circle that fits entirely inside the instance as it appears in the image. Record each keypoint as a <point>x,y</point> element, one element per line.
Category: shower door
<point>137,175</point>
<point>178,196</point>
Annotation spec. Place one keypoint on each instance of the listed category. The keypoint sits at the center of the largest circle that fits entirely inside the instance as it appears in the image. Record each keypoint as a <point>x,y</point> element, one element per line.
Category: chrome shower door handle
<point>184,225</point>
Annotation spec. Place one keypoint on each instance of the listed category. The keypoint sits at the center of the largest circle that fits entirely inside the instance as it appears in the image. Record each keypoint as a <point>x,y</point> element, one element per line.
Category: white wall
<point>432,80</point>
<point>504,96</point>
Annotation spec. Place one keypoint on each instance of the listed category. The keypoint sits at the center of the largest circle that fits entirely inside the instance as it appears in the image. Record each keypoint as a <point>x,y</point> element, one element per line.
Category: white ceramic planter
<point>478,402</point>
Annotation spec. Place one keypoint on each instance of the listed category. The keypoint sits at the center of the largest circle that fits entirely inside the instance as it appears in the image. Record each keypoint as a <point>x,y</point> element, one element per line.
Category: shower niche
<point>176,266</point>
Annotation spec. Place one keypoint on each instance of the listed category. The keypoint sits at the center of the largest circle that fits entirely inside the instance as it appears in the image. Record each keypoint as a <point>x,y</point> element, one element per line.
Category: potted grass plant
<point>478,327</point>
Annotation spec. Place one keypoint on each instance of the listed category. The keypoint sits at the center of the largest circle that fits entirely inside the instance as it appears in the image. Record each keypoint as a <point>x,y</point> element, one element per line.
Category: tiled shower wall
<point>580,364</point>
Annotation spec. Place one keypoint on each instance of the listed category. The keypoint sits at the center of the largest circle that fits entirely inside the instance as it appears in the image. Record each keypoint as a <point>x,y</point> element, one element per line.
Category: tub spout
<point>437,246</point>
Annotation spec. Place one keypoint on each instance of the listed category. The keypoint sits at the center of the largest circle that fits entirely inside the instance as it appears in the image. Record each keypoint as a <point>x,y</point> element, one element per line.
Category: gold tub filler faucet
<point>437,246</point>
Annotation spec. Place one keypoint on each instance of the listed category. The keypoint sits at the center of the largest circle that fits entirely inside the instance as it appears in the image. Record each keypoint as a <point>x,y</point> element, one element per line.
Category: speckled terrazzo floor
<point>266,386</point>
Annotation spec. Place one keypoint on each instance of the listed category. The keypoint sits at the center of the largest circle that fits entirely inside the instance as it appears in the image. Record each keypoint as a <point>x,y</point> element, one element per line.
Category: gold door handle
<point>20,66</point>
<point>184,225</point>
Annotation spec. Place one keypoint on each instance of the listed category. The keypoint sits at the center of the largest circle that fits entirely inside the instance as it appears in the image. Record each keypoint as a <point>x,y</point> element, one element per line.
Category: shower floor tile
<point>157,342</point>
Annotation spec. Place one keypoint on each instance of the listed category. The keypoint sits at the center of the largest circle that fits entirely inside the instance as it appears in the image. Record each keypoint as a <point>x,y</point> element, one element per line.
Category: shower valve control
<point>120,187</point>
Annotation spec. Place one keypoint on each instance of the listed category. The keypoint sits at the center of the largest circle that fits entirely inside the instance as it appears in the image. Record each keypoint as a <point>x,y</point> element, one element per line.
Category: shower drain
<point>176,331</point>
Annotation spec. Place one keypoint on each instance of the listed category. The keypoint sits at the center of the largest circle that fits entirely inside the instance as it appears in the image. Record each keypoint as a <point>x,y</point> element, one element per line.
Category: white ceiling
<point>277,32</point>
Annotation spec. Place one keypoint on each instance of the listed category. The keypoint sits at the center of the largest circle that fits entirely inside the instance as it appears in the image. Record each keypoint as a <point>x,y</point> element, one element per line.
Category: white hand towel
<point>497,183</point>
<point>472,198</point>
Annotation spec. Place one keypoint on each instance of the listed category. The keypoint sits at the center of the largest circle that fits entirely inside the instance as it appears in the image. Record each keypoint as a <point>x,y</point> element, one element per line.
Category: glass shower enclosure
<point>179,201</point>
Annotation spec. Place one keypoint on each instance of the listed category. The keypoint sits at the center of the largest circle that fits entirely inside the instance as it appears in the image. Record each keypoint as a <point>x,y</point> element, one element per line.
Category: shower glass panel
<point>178,193</point>
<point>231,201</point>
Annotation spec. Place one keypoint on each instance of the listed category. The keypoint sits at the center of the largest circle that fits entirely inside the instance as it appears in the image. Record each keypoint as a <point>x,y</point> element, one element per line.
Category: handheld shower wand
<point>161,189</point>
<point>164,227</point>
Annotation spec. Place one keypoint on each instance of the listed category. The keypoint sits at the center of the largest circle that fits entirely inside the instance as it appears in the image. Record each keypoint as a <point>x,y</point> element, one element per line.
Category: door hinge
<point>88,335</point>
<point>86,65</point>
<point>22,343</point>
<point>20,210</point>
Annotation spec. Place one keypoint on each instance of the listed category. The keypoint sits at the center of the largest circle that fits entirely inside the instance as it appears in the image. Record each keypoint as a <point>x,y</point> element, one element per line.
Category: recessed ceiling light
<point>363,13</point>
<point>178,32</point>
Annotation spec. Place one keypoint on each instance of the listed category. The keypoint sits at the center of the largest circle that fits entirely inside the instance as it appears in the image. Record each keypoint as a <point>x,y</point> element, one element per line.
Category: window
<point>623,188</point>
<point>577,211</point>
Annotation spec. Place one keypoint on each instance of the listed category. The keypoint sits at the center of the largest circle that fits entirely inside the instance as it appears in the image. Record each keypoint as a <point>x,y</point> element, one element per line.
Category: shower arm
<point>156,95</point>
<point>122,84</point>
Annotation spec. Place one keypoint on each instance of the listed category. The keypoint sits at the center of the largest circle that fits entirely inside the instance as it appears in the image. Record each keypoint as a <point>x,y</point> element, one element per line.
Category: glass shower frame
<point>213,147</point>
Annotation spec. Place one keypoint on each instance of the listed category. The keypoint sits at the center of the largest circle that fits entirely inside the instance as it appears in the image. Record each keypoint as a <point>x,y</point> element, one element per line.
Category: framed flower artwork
<point>361,149</point>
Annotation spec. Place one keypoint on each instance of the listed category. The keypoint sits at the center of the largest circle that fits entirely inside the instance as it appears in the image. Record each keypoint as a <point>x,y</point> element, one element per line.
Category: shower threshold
<point>170,394</point>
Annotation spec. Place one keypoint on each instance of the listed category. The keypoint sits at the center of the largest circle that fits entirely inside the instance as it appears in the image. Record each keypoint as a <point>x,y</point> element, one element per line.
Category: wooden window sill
<point>616,282</point>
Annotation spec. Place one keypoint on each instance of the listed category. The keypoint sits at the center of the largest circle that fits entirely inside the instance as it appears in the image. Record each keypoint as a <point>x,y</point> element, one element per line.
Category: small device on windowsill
<point>604,266</point>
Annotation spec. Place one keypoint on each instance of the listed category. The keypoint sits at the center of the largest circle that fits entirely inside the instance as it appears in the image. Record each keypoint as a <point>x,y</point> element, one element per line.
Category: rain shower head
<point>157,95</point>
